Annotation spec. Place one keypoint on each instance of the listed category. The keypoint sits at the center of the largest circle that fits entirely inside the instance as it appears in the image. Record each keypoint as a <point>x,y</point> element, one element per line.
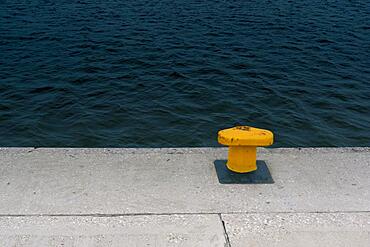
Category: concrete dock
<point>172,197</point>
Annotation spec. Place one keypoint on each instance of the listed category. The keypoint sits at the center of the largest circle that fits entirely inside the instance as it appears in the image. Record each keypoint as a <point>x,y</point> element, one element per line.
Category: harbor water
<point>172,73</point>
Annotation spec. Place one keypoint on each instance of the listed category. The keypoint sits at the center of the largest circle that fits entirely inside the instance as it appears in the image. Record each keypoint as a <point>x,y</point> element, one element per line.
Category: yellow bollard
<point>243,142</point>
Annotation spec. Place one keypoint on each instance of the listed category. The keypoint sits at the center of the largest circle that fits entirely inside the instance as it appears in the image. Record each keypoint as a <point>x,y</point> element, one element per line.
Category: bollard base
<point>260,176</point>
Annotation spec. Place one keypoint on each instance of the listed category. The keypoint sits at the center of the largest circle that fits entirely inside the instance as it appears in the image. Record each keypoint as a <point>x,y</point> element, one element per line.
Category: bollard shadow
<point>260,176</point>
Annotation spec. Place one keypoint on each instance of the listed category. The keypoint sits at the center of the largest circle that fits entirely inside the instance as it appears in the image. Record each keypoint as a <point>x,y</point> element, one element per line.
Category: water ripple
<point>172,73</point>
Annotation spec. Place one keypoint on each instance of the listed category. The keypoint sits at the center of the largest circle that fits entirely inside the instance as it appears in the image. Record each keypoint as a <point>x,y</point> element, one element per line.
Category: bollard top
<point>245,136</point>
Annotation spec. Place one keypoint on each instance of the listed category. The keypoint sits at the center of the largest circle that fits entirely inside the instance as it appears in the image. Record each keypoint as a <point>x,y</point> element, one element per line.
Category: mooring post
<point>243,142</point>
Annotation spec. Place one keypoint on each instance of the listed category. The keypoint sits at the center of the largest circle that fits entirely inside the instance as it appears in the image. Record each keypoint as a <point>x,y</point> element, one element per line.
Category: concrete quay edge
<point>171,197</point>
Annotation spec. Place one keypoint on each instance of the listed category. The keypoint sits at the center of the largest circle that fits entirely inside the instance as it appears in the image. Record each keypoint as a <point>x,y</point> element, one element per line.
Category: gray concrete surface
<point>102,181</point>
<point>298,229</point>
<point>63,184</point>
<point>130,231</point>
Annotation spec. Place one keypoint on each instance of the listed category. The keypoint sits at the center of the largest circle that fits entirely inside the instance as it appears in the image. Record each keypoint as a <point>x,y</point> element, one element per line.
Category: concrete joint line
<point>227,244</point>
<point>182,213</point>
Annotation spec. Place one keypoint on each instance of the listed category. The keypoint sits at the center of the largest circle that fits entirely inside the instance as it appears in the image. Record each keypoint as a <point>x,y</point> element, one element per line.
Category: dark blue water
<point>148,73</point>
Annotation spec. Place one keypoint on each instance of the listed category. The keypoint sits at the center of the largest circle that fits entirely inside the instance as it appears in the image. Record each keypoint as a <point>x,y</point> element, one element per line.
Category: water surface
<point>171,73</point>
